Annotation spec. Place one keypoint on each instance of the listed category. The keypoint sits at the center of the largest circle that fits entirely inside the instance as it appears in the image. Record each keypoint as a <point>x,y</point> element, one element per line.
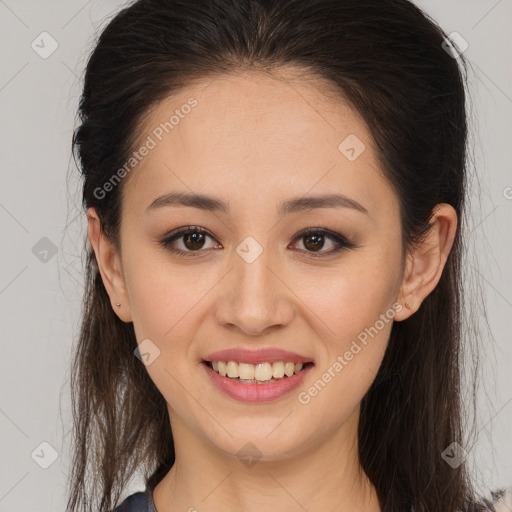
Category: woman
<point>272,321</point>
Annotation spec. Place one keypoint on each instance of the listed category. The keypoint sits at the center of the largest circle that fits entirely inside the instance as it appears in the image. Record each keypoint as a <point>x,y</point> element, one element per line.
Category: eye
<point>191,237</point>
<point>192,240</point>
<point>313,239</point>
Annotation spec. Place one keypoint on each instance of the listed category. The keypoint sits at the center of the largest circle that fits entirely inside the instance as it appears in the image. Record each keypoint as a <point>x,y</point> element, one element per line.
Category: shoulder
<point>500,501</point>
<point>140,501</point>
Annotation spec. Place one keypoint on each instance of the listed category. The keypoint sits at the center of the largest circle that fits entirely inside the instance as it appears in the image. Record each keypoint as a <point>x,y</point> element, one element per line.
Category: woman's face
<point>252,281</point>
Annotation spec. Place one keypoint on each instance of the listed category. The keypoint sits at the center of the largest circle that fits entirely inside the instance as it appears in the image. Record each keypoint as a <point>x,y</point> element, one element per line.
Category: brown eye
<point>192,238</point>
<point>314,240</point>
<point>194,241</point>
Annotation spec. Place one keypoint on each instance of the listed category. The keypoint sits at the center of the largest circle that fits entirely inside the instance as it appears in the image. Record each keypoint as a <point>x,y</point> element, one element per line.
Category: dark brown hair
<point>388,60</point>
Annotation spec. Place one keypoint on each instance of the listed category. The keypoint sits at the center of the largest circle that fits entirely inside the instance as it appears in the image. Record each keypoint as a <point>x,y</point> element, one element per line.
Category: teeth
<point>222,368</point>
<point>278,370</point>
<point>246,371</point>
<point>262,372</point>
<point>232,368</point>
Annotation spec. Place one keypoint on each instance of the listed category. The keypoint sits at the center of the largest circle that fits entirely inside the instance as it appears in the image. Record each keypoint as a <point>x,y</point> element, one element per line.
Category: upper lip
<point>264,355</point>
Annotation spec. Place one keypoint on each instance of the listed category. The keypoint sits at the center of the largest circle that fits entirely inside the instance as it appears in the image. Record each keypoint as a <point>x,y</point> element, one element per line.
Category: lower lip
<point>256,392</point>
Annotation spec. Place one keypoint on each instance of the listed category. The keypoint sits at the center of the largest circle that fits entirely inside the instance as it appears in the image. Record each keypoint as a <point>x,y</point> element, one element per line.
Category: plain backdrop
<point>43,227</point>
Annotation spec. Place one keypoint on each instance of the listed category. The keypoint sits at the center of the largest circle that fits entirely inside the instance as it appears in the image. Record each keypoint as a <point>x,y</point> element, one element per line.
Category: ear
<point>426,261</point>
<point>109,264</point>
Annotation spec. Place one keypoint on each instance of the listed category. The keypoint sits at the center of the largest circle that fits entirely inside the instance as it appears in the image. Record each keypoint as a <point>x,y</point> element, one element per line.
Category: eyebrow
<point>300,204</point>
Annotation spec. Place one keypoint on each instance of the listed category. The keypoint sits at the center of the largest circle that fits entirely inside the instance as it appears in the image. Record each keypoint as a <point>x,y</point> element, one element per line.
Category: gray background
<point>40,292</point>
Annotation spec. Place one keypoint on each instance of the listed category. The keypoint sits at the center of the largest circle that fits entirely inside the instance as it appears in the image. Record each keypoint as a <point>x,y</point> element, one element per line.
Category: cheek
<point>164,302</point>
<point>359,316</point>
<point>353,305</point>
<point>352,296</point>
<point>347,298</point>
<point>163,295</point>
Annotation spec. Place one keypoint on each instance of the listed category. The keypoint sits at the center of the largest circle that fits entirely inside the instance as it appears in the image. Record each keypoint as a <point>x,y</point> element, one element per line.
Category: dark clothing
<point>141,501</point>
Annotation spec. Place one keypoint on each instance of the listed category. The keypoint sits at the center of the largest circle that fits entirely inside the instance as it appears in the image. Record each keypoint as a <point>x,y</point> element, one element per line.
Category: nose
<point>255,299</point>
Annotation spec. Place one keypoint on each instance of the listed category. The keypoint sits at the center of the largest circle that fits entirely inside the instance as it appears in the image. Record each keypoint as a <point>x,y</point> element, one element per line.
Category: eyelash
<point>336,237</point>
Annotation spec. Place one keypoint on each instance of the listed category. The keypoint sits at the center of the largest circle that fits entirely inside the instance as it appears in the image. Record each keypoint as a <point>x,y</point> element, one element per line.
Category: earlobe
<point>108,261</point>
<point>426,261</point>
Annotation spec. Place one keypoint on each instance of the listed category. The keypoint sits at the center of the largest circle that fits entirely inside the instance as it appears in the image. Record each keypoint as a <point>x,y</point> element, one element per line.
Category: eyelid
<point>339,239</point>
<point>178,233</point>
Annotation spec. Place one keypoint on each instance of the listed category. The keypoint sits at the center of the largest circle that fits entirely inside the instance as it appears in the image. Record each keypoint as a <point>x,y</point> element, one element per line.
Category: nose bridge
<point>257,299</point>
<point>253,275</point>
<point>254,285</point>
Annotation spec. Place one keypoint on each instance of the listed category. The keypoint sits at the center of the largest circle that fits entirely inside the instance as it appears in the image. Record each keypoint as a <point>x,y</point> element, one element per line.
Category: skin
<point>256,140</point>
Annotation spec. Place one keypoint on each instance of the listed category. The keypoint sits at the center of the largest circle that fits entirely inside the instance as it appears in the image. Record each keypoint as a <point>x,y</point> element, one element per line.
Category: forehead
<point>257,135</point>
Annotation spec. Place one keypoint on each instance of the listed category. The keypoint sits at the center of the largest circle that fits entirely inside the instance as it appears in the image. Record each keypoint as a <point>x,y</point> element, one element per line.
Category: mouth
<point>261,373</point>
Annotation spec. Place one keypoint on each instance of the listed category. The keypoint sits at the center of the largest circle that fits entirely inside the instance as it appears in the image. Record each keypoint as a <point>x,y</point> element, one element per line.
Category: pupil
<point>318,240</point>
<point>192,237</point>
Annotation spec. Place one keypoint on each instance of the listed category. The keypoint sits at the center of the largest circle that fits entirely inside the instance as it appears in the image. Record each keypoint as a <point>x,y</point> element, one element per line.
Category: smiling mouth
<point>261,373</point>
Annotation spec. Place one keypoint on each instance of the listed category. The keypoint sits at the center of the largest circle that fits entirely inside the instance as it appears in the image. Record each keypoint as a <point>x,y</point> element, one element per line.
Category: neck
<point>324,476</point>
